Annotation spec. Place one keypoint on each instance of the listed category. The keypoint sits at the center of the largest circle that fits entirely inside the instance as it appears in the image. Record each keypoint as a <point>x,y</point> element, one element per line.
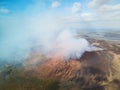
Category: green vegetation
<point>17,79</point>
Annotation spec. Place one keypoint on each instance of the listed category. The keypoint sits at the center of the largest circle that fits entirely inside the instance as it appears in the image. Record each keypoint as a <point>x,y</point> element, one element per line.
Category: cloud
<point>76,8</point>
<point>4,10</point>
<point>98,3</point>
<point>55,4</point>
<point>93,20</point>
<point>109,8</point>
<point>108,12</point>
<point>105,13</point>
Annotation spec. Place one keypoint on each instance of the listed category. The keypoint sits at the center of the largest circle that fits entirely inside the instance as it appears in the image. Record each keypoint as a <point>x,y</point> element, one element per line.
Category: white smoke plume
<point>47,34</point>
<point>67,46</point>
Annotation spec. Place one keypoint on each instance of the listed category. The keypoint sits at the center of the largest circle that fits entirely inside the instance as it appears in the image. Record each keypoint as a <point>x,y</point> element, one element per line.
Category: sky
<point>23,22</point>
<point>97,13</point>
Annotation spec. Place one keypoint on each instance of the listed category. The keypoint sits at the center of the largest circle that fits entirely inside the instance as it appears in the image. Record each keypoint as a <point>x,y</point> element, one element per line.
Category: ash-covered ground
<point>99,70</point>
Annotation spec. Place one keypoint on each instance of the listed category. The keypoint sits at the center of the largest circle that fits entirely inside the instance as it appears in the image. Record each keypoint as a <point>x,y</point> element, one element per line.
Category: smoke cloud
<point>46,34</point>
<point>21,34</point>
<point>67,46</point>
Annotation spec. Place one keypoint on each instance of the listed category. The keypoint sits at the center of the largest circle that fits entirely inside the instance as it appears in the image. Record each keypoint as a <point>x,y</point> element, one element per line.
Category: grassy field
<point>12,78</point>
